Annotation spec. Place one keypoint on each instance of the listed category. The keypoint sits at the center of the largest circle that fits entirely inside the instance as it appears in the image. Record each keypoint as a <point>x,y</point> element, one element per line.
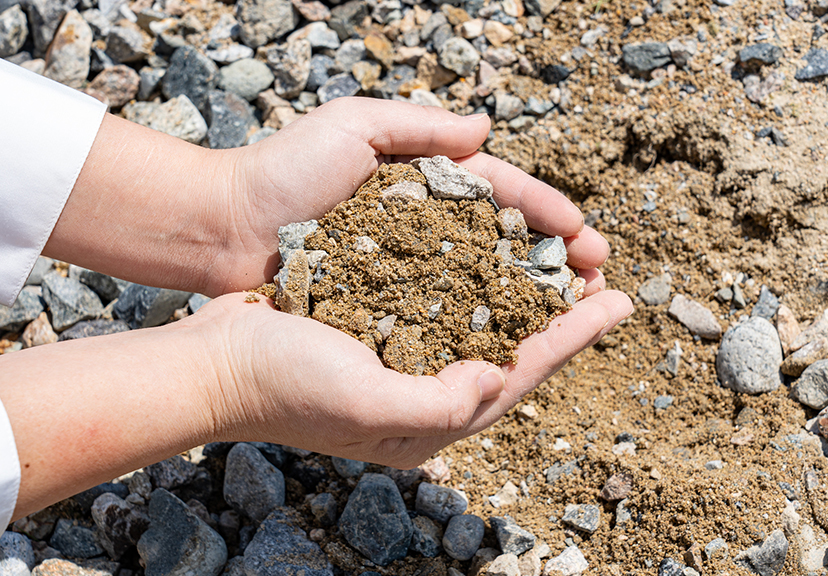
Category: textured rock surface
<point>252,485</point>
<point>698,319</point>
<point>749,357</point>
<point>280,548</point>
<point>440,503</point>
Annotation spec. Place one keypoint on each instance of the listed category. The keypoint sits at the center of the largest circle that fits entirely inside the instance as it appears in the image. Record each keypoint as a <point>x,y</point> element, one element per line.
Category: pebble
<point>292,237</point>
<point>346,17</point>
<point>59,567</point>
<point>617,487</point>
<point>459,56</point>
<point>252,485</point>
<point>90,328</point>
<point>656,290</point>
<point>150,80</point>
<point>714,465</point>
<point>172,473</point>
<point>504,565</point>
<point>768,558</point>
<point>669,567</point>
<point>463,536</point>
<point>177,117</point>
<point>118,85</point>
<point>67,60</point>
<point>279,547</point>
<point>13,30</point>
<point>716,549</point>
<point>386,325</point>
<point>191,74</point>
<point>338,86</point>
<point>16,555</point>
<point>662,402</point>
<point>448,180</point>
<point>291,66</point>
<point>44,18</point>
<point>405,190</point>
<point>42,267</point>
<point>787,327</point>
<point>570,562</point>
<point>323,507</point>
<point>760,55</point>
<point>365,244</point>
<point>817,329</point>
<point>506,496</point>
<point>144,306</point>
<point>512,538</point>
<point>119,524</point>
<point>127,43</point>
<point>178,541</point>
<point>312,10</point>
<point>293,284</point>
<point>427,537</point>
<point>797,362</point>
<point>672,360</point>
<point>682,51</point>
<point>749,357</point>
<point>263,21</point>
<point>817,67</point>
<point>230,119</point>
<point>646,57</point>
<point>541,8</point>
<point>530,564</point>
<point>507,106</point>
<point>69,301</point>
<point>38,332</point>
<point>246,78</point>
<point>375,520</point>
<point>548,253</point>
<point>75,541</point>
<point>767,305</point>
<point>811,388</point>
<point>26,308</point>
<point>622,511</point>
<point>480,317</point>
<point>695,317</point>
<point>583,517</point>
<point>439,503</point>
<point>350,468</point>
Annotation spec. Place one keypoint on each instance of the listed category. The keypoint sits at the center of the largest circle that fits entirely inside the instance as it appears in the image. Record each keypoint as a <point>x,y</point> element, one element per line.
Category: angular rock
<point>681,51</point>
<point>647,56</point>
<point>38,332</point>
<point>749,357</point>
<point>178,541</point>
<point>177,117</point>
<point>323,508</point>
<point>145,306</point>
<point>293,284</point>
<point>348,468</point>
<point>812,386</point>
<point>290,64</point>
<point>512,538</point>
<point>280,548</point>
<point>669,567</point>
<point>507,106</point>
<point>59,567</point>
<point>405,190</point>
<point>380,49</point>
<point>230,53</point>
<point>90,328</point>
<point>74,541</point>
<point>817,67</point>
<point>44,18</point>
<point>263,21</point>
<point>449,180</point>
<point>67,60</point>
<point>69,301</point>
<point>118,85</point>
<point>26,308</point>
<point>554,73</point>
<point>127,43</point>
<point>86,498</point>
<point>150,81</point>
<point>459,56</point>
<point>617,487</point>
<point>338,86</point>
<point>16,555</point>
<point>463,536</point>
<point>817,329</point>
<point>13,30</point>
<point>312,10</point>
<point>42,267</point>
<point>584,517</point>
<point>440,503</point>
<point>695,317</point>
<point>812,352</point>
<point>504,565</point>
<point>767,306</point>
<point>230,118</point>
<point>120,524</point>
<point>542,8</point>
<point>760,55</point>
<point>511,223</point>
<point>351,52</point>
<point>346,17</point>
<point>427,537</point>
<point>172,473</point>
<point>530,564</point>
<point>548,253</point>
<point>190,74</point>
<point>656,290</point>
<point>252,485</point>
<point>246,78</point>
<point>570,562</point>
<point>716,549</point>
<point>292,237</point>
<point>375,521</point>
<point>479,319</point>
<point>787,326</point>
<point>321,68</point>
<point>767,559</point>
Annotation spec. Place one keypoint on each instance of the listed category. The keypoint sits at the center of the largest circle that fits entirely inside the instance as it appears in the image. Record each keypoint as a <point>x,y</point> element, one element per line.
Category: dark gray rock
<point>427,537</point>
<point>178,542</point>
<point>817,67</point>
<point>749,357</point>
<point>323,508</point>
<point>106,287</point>
<point>192,74</point>
<point>69,301</point>
<point>279,548</point>
<point>321,68</point>
<point>230,118</point>
<point>291,65</point>
<point>13,30</point>
<point>767,305</point>
<point>554,74</point>
<point>126,44</point>
<point>263,21</point>
<point>145,306</point>
<point>647,56</point>
<point>767,559</point>
<point>338,86</point>
<point>44,18</point>
<point>252,485</point>
<point>348,468</point>
<point>75,541</point>
<point>90,328</point>
<point>172,473</point>
<point>26,308</point>
<point>463,536</point>
<point>512,538</point>
<point>273,453</point>
<point>16,554</point>
<point>670,567</point>
<point>439,503</point>
<point>120,524</point>
<point>584,517</point>
<point>150,81</point>
<point>812,386</point>
<point>346,17</point>
<point>308,473</point>
<point>246,78</point>
<point>672,360</point>
<point>656,290</point>
<point>375,520</point>
<point>760,55</point>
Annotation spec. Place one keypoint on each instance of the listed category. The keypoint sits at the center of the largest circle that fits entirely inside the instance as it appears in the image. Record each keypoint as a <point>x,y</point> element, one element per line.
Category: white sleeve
<point>46,132</point>
<point>9,470</point>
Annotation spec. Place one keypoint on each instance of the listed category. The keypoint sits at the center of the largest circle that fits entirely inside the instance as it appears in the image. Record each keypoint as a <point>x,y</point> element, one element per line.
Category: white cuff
<point>47,132</point>
<point>9,470</point>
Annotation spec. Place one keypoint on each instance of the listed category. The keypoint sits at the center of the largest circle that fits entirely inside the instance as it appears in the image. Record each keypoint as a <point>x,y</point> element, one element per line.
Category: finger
<point>595,281</point>
<point>544,208</point>
<point>587,249</point>
<point>395,128</point>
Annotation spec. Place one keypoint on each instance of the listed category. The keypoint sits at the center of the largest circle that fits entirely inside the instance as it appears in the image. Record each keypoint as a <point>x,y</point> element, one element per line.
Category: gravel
<point>449,180</point>
<point>585,517</point>
<point>749,357</point>
<point>69,301</point>
<point>812,386</point>
<point>695,317</point>
<point>439,503</point>
<point>279,547</point>
<point>512,538</point>
<point>16,555</point>
<point>570,562</point>
<point>252,485</point>
<point>656,290</point>
<point>463,536</point>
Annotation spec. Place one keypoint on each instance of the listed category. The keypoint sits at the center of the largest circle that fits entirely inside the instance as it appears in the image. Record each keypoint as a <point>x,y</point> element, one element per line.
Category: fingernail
<point>476,116</point>
<point>491,384</point>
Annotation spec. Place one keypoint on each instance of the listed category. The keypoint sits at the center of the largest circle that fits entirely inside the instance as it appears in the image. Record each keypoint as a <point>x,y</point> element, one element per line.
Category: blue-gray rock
<point>323,508</point>
<point>106,287</point>
<point>656,290</point>
<point>13,30</point>
<point>559,469</point>
<point>663,402</point>
<point>145,306</point>
<point>230,118</point>
<point>670,567</point>
<point>646,57</point>
<point>42,267</point>
<point>439,502</point>
<point>767,305</point>
<point>459,56</point>
<point>150,81</point>
<point>554,73</point>
<point>196,301</point>
<point>280,549</point>
<point>375,520</point>
<point>126,44</point>
<point>427,537</point>
<point>172,473</point>
<point>549,253</point>
<point>292,237</point>
<point>584,517</point>
<point>246,78</point>
<point>537,106</point>
<point>16,554</point>
<point>69,301</point>
<point>507,106</point>
<point>26,308</point>
<point>812,386</point>
<point>75,541</point>
<point>512,538</point>
<point>767,559</point>
<point>760,54</point>
<point>261,134</point>
<point>348,468</point>
<point>120,524</point>
<point>346,17</point>
<point>177,117</point>
<point>319,36</point>
<point>44,18</point>
<point>749,357</point>
<point>309,473</point>
<point>191,74</point>
<point>178,542</point>
<point>290,64</point>
<point>273,453</point>
<point>338,86</point>
<point>263,21</point>
<point>817,67</point>
<point>90,328</point>
<point>321,68</point>
<point>252,485</point>
<point>351,52</point>
<point>463,536</point>
<point>393,80</point>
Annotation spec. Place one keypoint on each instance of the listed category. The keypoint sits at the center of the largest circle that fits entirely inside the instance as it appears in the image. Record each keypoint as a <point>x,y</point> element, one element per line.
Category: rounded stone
<point>463,536</point>
<point>749,357</point>
<point>246,78</point>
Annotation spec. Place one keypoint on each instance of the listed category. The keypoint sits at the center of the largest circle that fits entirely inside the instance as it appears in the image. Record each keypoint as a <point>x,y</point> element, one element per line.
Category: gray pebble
<point>280,548</point>
<point>229,53</point>
<point>177,117</point>
<point>365,244</point>
<point>375,520</point>
<point>261,134</point>
<point>346,17</point>
<point>42,267</point>
<point>662,402</point>
<point>44,18</point>
<point>13,30</point>
<point>191,74</point>
<point>230,118</point>
<point>290,64</point>
<point>767,305</point>
<point>349,468</point>
<point>463,536</point>
<point>405,190</point>
<point>427,537</point>
<point>570,562</point>
<point>760,54</point>
<point>503,248</point>
<point>252,485</point>
<point>75,541</point>
<point>480,317</point>
<point>318,35</point>
<point>622,513</point>
<point>449,180</point>
<point>716,549</point>
<point>656,290</point>
<point>695,317</point>
<point>196,301</point>
<point>549,253</point>
<point>504,565</point>
<point>724,295</point>
<point>738,297</point>
<point>749,357</point>
<point>672,360</point>
<point>669,567</point>
<point>439,503</point>
<point>584,517</point>
<point>768,558</point>
<point>321,68</point>
<point>507,106</point>
<point>119,524</point>
<point>446,246</point>
<point>16,554</point>
<point>512,223</point>
<point>246,78</point>
<point>351,52</point>
<point>263,21</point>
<point>647,56</point>
<point>338,86</point>
<point>172,473</point>
<point>817,67</point>
<point>26,308</point>
<point>386,325</point>
<point>323,507</point>
<point>435,309</point>
<point>126,44</point>
<point>512,538</point>
<point>69,301</point>
<point>292,237</point>
<point>811,388</point>
<point>459,56</point>
<point>144,306</point>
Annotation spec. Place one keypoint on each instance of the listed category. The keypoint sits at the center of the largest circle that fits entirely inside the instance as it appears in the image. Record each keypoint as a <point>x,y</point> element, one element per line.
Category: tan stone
<point>366,73</point>
<point>39,332</point>
<point>471,29</point>
<point>797,362</point>
<point>67,60</point>
<point>787,326</point>
<point>455,15</point>
<point>497,33</point>
<point>380,49</point>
